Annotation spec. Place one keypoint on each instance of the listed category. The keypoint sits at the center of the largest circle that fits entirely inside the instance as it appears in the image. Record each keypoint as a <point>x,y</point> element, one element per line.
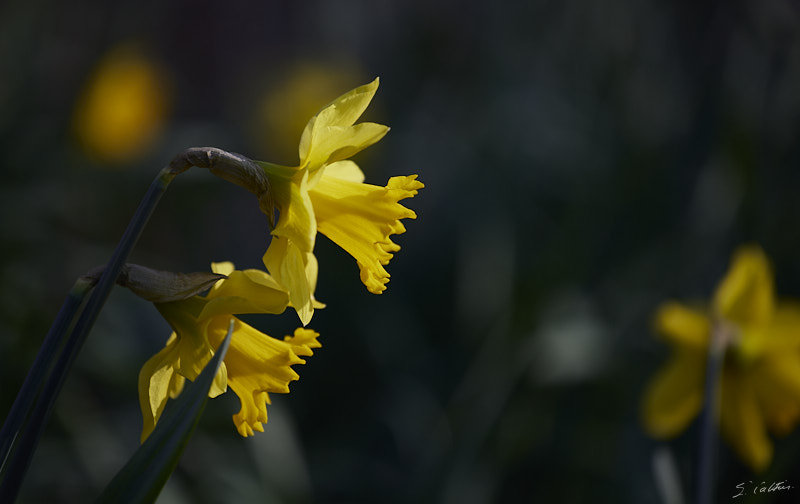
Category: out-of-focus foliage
<point>582,162</point>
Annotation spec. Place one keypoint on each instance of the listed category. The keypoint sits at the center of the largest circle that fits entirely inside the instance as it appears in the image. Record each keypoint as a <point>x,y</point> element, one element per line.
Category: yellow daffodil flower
<point>326,193</point>
<point>255,365</point>
<point>760,380</point>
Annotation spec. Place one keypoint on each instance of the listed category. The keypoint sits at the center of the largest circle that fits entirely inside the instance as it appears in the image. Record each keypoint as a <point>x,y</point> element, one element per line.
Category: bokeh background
<point>583,161</point>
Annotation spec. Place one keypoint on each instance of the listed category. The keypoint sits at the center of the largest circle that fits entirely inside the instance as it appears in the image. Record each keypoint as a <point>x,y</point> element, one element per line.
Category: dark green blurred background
<point>583,162</point>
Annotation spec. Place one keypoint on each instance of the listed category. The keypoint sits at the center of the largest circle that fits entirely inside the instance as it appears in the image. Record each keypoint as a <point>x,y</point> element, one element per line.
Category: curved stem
<point>29,415</point>
<point>720,337</point>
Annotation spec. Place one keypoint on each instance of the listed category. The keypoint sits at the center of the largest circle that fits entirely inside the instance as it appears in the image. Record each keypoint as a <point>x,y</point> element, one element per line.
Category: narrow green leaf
<point>145,474</point>
<point>29,416</point>
<point>28,397</point>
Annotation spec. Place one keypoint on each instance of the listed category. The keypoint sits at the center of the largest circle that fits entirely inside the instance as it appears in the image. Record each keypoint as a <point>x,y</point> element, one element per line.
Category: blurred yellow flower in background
<point>760,380</point>
<point>255,365</point>
<point>123,107</point>
<point>326,193</point>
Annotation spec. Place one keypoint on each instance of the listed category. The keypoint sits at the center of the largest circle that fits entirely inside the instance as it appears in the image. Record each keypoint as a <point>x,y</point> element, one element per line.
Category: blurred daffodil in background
<point>759,386</point>
<point>255,365</point>
<point>123,107</point>
<point>326,193</point>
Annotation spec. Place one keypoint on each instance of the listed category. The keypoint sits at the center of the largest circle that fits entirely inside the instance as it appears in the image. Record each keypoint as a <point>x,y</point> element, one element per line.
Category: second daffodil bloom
<point>255,365</point>
<point>326,193</point>
<point>760,379</point>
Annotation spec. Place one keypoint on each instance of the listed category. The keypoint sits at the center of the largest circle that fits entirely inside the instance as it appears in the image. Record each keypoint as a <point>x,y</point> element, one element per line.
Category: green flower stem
<point>27,438</point>
<point>44,359</point>
<point>720,337</point>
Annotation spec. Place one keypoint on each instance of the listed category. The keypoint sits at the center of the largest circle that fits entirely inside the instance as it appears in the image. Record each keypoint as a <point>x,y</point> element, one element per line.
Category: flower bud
<point>160,286</point>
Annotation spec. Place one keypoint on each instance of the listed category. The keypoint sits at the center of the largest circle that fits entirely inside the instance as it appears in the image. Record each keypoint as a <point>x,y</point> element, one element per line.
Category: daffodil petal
<point>742,421</point>
<point>312,272</point>
<point>305,140</point>
<point>345,170</point>
<point>783,332</point>
<point>289,266</point>
<point>745,295</point>
<point>777,385</point>
<point>222,268</point>
<point>176,385</point>
<point>347,108</point>
<point>782,372</point>
<point>336,143</point>
<point>249,291</point>
<point>157,380</point>
<point>297,221</point>
<point>342,112</point>
<point>220,384</point>
<point>682,325</point>
<point>360,218</point>
<point>243,283</point>
<point>674,397</point>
